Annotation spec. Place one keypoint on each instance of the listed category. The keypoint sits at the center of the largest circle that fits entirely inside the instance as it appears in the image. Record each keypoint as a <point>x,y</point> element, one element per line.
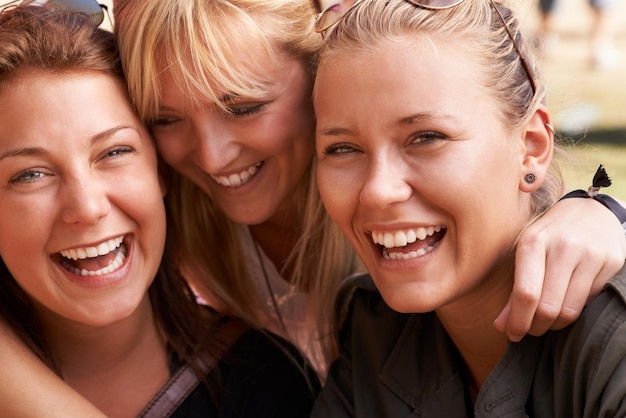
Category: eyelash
<point>33,174</point>
<point>162,122</point>
<point>235,112</point>
<point>242,111</point>
<point>420,138</point>
<point>339,149</point>
<point>426,137</point>
<point>118,151</point>
<point>30,173</point>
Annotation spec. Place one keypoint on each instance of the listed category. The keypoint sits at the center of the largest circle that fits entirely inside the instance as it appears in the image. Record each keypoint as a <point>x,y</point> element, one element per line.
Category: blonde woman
<point>391,144</point>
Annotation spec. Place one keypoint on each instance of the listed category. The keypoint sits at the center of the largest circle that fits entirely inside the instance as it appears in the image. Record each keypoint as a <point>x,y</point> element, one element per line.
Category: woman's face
<point>249,160</point>
<point>81,207</point>
<point>418,171</point>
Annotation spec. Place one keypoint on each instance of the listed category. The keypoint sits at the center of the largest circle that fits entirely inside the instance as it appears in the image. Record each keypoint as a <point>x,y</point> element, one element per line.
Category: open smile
<point>238,179</point>
<point>408,243</point>
<point>105,258</point>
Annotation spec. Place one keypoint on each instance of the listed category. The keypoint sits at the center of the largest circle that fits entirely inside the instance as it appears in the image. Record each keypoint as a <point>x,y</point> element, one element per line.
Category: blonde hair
<point>210,47</point>
<point>200,43</point>
<point>476,25</point>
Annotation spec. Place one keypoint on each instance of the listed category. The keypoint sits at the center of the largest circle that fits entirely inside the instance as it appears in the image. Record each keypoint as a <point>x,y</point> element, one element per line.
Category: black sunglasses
<point>92,8</point>
<point>329,16</point>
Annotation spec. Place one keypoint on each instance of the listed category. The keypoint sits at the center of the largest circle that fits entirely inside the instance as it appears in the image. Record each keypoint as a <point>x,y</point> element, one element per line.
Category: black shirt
<point>260,376</point>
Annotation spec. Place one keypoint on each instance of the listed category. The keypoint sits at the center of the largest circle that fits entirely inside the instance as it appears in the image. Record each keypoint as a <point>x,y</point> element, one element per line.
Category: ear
<point>539,142</point>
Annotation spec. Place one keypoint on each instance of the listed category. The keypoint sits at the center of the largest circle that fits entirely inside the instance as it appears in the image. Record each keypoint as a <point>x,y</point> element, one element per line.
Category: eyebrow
<point>99,137</point>
<point>424,117</point>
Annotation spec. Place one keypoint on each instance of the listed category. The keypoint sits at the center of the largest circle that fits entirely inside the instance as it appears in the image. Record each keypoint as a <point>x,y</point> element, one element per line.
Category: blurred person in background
<point>604,53</point>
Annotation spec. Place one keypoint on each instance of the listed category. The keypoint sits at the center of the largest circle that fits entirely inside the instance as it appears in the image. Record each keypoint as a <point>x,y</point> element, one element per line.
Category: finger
<point>503,317</point>
<point>581,290</point>
<point>527,285</point>
<point>562,260</point>
<point>612,265</point>
<point>574,301</point>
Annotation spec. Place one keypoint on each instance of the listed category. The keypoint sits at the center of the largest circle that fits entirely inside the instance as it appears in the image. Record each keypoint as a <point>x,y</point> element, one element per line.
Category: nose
<point>85,202</point>
<point>215,145</point>
<point>385,184</point>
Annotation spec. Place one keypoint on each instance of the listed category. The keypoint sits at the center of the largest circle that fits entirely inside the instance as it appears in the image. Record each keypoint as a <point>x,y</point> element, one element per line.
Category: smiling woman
<point>84,279</point>
<point>433,173</point>
<point>59,176</point>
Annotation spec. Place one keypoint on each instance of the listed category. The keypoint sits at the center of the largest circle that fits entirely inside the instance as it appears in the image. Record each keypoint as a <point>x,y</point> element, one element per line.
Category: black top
<point>260,376</point>
<point>405,365</point>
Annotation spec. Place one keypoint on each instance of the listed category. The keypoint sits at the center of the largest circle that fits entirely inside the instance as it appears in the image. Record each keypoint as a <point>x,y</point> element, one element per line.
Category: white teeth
<point>402,238</point>
<point>114,265</point>
<point>405,256</point>
<point>235,180</point>
<point>91,252</point>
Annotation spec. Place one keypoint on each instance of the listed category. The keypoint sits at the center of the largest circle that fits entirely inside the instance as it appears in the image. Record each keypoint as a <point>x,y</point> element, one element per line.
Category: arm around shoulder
<point>30,389</point>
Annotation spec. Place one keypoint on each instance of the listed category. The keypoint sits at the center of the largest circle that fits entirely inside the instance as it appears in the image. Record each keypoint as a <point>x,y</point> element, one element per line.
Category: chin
<point>404,300</point>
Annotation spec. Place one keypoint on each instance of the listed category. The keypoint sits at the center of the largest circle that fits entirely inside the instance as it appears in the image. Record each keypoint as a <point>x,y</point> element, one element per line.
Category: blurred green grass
<point>585,159</point>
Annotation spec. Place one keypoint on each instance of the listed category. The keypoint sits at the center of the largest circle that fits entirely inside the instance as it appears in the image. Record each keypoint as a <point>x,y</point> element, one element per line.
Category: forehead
<point>419,67</point>
<point>48,104</point>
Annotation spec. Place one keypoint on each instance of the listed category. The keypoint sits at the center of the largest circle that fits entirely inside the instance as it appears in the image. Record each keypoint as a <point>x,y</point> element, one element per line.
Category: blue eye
<point>27,176</point>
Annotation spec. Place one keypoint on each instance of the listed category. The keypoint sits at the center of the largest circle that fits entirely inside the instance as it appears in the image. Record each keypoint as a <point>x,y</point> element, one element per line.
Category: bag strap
<point>186,379</point>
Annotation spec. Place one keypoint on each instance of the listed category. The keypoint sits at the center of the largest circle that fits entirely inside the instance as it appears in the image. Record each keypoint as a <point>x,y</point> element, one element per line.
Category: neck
<point>119,367</point>
<point>469,322</point>
<point>277,241</point>
<point>278,235</point>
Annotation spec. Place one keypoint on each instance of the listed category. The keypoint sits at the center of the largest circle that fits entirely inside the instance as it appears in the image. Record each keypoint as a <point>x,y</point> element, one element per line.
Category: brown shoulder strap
<point>187,379</point>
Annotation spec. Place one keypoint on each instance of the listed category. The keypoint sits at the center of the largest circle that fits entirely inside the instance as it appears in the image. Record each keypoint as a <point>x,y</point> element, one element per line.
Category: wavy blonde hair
<point>200,43</point>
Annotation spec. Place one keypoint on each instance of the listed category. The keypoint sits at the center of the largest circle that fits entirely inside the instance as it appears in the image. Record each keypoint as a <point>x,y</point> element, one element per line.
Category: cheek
<point>22,248</point>
<point>339,193</point>
<point>172,147</point>
<point>26,223</point>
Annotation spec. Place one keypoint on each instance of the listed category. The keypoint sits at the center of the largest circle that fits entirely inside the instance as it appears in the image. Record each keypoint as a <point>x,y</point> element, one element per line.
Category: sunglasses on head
<point>91,8</point>
<point>329,16</point>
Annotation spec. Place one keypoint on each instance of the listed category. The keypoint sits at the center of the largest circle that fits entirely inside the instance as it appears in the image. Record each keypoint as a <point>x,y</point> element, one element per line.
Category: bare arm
<point>30,389</point>
<point>563,259</point>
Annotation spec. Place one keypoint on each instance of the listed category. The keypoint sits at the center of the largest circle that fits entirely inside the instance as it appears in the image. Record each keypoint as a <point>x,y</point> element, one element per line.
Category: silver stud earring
<point>530,178</point>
